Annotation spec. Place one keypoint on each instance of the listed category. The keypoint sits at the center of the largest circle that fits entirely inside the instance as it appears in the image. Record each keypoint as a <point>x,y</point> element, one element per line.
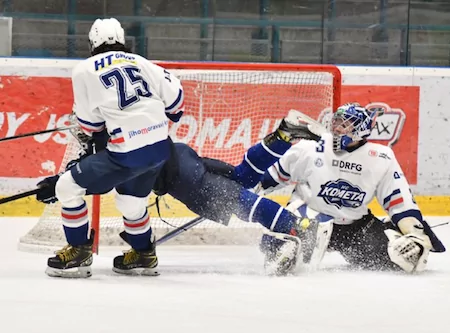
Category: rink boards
<point>430,205</point>
<point>412,96</point>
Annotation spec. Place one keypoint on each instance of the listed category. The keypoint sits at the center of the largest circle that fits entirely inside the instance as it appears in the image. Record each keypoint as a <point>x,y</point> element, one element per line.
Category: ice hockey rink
<point>218,289</point>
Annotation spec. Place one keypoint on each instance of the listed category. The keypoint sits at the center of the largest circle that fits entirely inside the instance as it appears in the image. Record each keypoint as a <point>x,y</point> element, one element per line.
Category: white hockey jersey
<point>128,95</point>
<point>342,185</point>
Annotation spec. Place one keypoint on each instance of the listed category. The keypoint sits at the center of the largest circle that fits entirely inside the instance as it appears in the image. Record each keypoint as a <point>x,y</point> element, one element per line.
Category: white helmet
<point>106,31</point>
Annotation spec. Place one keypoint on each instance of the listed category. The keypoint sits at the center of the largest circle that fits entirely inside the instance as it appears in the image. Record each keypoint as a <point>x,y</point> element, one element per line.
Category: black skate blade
<point>140,271</point>
<point>70,273</point>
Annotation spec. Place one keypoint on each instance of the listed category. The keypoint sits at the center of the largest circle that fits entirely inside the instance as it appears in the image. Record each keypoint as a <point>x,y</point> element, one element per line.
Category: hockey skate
<point>134,262</point>
<point>72,261</point>
<point>282,251</point>
<point>296,126</point>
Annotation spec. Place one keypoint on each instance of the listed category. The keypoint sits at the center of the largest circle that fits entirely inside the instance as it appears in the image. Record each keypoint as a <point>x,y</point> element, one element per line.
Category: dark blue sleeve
<point>267,181</point>
<point>257,160</point>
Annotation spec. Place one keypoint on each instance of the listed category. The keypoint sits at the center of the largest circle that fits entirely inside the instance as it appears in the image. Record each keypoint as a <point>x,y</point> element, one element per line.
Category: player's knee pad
<point>68,192</point>
<point>317,236</point>
<point>131,207</point>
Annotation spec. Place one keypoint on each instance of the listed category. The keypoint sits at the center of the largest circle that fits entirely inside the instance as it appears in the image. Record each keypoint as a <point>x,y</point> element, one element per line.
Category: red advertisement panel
<point>222,120</point>
<point>398,127</point>
<point>29,104</point>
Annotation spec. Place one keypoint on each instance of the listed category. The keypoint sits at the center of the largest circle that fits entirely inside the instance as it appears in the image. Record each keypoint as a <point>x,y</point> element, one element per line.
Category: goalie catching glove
<point>295,127</point>
<point>410,247</point>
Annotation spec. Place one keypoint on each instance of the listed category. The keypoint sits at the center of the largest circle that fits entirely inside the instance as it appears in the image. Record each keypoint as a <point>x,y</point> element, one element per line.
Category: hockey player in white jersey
<point>337,177</point>
<point>131,99</point>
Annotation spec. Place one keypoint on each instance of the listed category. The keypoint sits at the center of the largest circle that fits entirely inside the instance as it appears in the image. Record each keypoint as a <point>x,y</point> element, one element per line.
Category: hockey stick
<point>37,133</point>
<point>19,196</point>
<point>179,230</point>
<point>439,225</point>
<point>172,233</point>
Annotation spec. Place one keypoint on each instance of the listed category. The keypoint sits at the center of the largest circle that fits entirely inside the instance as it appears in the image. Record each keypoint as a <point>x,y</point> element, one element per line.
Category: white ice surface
<point>217,289</point>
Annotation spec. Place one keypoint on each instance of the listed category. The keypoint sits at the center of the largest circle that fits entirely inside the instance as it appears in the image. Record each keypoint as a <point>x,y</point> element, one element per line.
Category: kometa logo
<point>341,193</point>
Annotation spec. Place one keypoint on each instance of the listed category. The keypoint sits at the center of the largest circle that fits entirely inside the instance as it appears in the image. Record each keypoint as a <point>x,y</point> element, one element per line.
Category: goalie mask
<point>350,123</point>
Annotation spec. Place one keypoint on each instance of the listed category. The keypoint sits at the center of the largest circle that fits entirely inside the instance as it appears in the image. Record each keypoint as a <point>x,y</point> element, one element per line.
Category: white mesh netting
<point>226,112</point>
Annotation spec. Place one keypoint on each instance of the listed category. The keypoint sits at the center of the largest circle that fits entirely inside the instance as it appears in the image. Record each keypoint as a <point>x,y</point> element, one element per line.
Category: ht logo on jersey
<point>341,193</point>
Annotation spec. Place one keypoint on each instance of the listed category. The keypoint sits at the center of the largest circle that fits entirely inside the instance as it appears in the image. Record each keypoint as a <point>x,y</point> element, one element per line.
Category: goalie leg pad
<point>282,252</point>
<point>316,238</point>
<point>320,242</point>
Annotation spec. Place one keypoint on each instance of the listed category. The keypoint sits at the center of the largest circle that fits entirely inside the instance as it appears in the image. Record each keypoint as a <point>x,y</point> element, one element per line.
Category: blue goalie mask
<point>350,123</point>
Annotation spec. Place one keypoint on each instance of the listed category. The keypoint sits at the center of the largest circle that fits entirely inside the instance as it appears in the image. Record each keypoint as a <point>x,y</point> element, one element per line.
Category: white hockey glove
<point>297,126</point>
<point>410,248</point>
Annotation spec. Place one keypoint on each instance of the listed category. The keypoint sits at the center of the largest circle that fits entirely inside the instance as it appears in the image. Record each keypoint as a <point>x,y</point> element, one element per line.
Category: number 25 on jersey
<point>123,78</point>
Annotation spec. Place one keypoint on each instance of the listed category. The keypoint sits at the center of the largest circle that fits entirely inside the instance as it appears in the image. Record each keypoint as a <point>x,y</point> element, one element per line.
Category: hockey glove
<point>96,143</point>
<point>297,126</point>
<point>175,117</point>
<point>47,190</point>
<point>410,248</point>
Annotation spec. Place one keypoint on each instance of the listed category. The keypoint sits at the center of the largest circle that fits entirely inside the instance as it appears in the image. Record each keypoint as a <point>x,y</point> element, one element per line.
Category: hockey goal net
<point>228,108</point>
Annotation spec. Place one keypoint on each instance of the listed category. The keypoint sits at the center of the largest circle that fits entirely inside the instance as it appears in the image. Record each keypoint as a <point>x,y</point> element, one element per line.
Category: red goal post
<point>228,108</point>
